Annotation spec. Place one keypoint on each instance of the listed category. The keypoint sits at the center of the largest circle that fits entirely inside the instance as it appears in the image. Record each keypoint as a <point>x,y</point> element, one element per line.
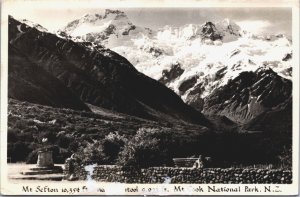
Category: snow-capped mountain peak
<point>209,30</point>
<point>107,28</point>
<point>107,13</point>
<point>193,59</point>
<point>228,29</point>
<point>107,21</point>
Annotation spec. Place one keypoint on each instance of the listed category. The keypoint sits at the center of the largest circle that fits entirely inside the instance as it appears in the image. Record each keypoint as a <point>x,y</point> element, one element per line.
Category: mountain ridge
<point>101,77</point>
<point>191,88</point>
<point>249,95</point>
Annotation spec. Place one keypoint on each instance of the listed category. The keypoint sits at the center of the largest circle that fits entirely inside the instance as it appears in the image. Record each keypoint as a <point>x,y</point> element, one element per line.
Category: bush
<point>64,141</point>
<point>62,156</point>
<point>92,153</point>
<point>21,124</point>
<point>113,143</point>
<point>12,134</point>
<point>19,151</point>
<point>74,146</point>
<point>105,151</point>
<point>149,147</point>
<point>285,158</point>
<point>32,157</point>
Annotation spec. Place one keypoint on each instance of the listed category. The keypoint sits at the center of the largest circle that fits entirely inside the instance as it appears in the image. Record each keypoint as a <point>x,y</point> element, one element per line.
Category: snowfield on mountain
<point>208,54</point>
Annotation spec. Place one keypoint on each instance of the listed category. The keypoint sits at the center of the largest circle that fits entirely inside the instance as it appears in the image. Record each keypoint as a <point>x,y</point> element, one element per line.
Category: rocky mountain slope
<point>252,95</point>
<point>99,76</point>
<point>277,120</point>
<point>27,81</point>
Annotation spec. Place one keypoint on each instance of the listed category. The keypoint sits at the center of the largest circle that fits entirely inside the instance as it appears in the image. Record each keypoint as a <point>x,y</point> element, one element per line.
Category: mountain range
<point>197,61</point>
<point>216,68</point>
<point>96,75</point>
<point>193,59</point>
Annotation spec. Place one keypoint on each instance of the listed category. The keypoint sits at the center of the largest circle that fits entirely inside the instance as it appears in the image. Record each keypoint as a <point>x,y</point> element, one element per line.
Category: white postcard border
<point>118,188</point>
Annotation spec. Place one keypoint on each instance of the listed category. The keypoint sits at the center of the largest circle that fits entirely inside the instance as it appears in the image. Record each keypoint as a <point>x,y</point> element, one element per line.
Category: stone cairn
<point>45,159</point>
<point>45,168</point>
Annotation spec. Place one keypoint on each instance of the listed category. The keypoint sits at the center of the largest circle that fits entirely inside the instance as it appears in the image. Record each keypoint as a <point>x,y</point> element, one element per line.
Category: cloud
<point>254,26</point>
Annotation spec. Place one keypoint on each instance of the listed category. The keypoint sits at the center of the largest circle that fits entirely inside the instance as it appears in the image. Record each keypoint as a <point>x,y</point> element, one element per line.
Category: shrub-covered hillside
<point>107,137</point>
<point>69,129</point>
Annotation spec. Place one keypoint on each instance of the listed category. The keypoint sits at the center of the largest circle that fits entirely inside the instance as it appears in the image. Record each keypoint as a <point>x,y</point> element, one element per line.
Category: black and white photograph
<point>141,100</point>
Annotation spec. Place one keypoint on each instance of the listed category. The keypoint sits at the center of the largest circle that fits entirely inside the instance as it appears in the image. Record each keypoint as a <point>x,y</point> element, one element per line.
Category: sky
<point>257,20</point>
